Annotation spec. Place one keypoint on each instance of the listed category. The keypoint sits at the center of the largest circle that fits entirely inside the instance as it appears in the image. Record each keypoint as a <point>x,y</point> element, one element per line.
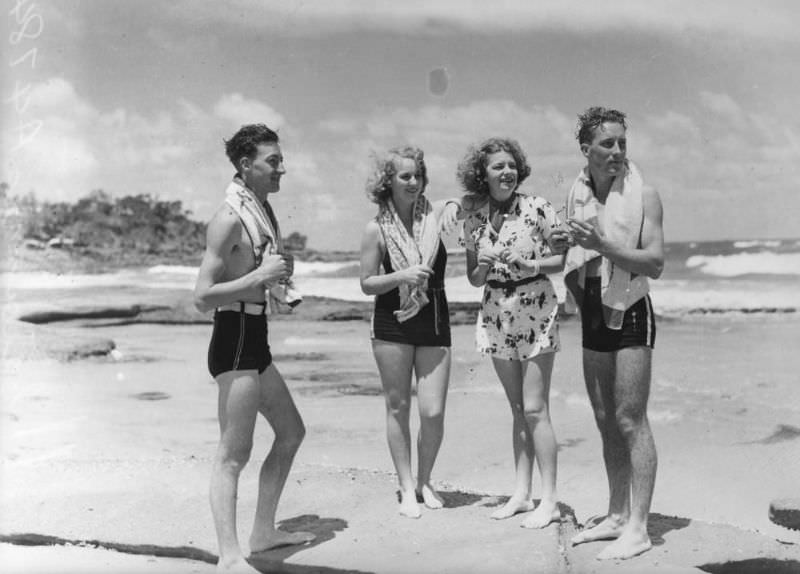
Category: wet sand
<point>116,449</point>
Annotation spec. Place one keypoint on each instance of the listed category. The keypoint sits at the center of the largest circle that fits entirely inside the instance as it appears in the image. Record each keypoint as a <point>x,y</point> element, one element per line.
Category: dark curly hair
<point>471,171</point>
<point>593,118</point>
<point>244,143</point>
<point>379,180</point>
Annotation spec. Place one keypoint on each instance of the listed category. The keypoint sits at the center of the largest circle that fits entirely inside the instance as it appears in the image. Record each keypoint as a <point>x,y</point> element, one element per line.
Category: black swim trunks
<point>239,341</point>
<point>638,323</point>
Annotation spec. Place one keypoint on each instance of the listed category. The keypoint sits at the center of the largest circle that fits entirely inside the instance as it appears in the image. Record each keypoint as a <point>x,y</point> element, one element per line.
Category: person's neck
<point>502,204</point>
<point>261,196</point>
<point>405,212</point>
<point>600,183</point>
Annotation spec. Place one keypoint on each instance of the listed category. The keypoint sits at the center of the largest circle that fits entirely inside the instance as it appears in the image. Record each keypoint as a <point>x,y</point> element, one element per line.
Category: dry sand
<point>106,459</point>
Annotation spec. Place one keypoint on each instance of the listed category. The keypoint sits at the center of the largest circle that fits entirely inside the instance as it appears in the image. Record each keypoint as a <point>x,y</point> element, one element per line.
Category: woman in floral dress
<point>508,238</point>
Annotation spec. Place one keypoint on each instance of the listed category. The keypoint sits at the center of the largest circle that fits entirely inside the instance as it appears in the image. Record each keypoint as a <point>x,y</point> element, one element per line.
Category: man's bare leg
<point>631,393</point>
<point>599,371</point>
<point>237,408</point>
<point>536,392</point>
<point>395,362</point>
<point>510,375</point>
<point>276,404</point>
<point>432,366</point>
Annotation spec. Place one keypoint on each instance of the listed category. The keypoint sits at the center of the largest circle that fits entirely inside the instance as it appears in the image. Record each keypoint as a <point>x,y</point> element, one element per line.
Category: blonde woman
<point>402,264</point>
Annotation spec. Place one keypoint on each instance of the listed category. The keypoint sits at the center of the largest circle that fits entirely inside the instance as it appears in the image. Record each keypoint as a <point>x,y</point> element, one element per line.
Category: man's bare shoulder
<point>225,225</point>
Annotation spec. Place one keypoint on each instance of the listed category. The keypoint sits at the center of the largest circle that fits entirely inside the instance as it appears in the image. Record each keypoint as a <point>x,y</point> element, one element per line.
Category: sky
<point>137,97</point>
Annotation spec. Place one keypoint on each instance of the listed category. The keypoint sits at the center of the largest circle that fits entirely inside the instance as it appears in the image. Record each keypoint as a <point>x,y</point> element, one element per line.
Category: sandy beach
<point>109,428</point>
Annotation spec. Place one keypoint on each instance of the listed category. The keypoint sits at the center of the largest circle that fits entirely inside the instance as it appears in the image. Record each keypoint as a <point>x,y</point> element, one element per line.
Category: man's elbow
<point>657,269</point>
<point>201,303</point>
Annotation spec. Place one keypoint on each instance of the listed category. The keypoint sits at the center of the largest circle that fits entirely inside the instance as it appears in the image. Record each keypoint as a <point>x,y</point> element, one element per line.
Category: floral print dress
<point>516,322</point>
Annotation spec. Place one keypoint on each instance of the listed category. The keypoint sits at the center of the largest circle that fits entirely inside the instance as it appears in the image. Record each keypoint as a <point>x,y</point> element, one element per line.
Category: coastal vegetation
<point>99,230</point>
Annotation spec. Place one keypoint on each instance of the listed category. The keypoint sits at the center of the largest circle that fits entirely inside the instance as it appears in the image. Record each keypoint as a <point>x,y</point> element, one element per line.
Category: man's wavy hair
<point>471,171</point>
<point>593,118</point>
<point>244,143</point>
<point>379,180</point>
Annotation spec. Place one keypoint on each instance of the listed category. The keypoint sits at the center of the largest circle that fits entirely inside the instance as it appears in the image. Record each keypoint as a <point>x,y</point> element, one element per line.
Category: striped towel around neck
<point>265,236</point>
<point>406,250</point>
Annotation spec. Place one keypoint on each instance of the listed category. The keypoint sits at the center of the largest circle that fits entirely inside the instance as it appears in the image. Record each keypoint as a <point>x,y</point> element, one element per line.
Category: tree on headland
<point>126,230</point>
<point>100,225</point>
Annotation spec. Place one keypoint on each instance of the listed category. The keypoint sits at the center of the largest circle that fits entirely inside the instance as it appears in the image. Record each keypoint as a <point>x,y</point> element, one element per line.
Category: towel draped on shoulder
<point>406,250</point>
<point>623,217</point>
<point>262,227</point>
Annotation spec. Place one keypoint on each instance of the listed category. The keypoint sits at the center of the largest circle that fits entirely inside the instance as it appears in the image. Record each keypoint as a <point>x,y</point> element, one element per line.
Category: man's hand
<point>585,234</point>
<point>273,268</point>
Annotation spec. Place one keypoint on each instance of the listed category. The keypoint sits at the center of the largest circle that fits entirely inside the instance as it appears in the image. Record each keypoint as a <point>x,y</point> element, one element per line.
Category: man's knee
<point>629,421</point>
<point>291,438</point>
<point>234,458</point>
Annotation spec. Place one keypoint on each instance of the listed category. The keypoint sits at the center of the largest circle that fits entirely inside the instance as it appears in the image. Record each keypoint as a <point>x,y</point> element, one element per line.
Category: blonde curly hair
<point>379,180</point>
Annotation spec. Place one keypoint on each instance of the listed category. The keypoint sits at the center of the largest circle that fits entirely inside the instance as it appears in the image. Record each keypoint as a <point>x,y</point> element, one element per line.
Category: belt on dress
<point>509,285</point>
<point>246,308</point>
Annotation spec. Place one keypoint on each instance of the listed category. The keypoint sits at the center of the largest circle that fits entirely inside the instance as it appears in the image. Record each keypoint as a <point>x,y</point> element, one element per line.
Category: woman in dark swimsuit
<point>419,345</point>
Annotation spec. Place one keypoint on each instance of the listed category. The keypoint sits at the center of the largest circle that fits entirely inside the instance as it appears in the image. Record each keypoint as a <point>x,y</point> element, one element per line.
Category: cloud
<point>79,147</point>
<point>769,19</point>
<point>721,104</point>
<point>238,110</point>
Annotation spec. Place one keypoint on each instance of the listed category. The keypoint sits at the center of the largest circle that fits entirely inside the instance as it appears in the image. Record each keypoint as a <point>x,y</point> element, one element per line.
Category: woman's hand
<point>514,258</point>
<point>415,275</point>
<point>488,257</point>
<point>560,241</point>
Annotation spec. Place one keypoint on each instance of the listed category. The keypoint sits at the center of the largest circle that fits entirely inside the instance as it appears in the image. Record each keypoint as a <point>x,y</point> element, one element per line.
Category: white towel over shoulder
<point>623,216</point>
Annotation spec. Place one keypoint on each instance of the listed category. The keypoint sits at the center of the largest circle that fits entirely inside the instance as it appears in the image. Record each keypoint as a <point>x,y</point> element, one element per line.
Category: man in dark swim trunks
<point>616,221</point>
<point>233,282</point>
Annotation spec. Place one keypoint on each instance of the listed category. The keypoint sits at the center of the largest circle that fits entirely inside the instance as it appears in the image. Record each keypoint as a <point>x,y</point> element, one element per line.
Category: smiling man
<point>241,269</point>
<point>616,223</point>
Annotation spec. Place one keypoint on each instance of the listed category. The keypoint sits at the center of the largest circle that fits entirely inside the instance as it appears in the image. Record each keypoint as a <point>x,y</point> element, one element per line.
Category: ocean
<point>700,277</point>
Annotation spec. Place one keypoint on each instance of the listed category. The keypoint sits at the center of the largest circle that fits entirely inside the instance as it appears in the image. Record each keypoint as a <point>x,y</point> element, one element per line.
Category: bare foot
<point>628,545</point>
<point>408,504</point>
<point>236,566</point>
<point>430,497</point>
<point>512,507</point>
<point>279,538</point>
<point>608,529</point>
<point>544,514</point>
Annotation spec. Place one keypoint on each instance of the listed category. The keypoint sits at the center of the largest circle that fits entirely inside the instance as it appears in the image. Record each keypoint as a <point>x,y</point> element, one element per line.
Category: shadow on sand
<point>753,566</point>
<point>271,561</point>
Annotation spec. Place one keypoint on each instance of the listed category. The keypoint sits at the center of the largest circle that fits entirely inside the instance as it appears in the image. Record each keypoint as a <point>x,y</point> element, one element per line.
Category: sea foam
<point>738,264</point>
